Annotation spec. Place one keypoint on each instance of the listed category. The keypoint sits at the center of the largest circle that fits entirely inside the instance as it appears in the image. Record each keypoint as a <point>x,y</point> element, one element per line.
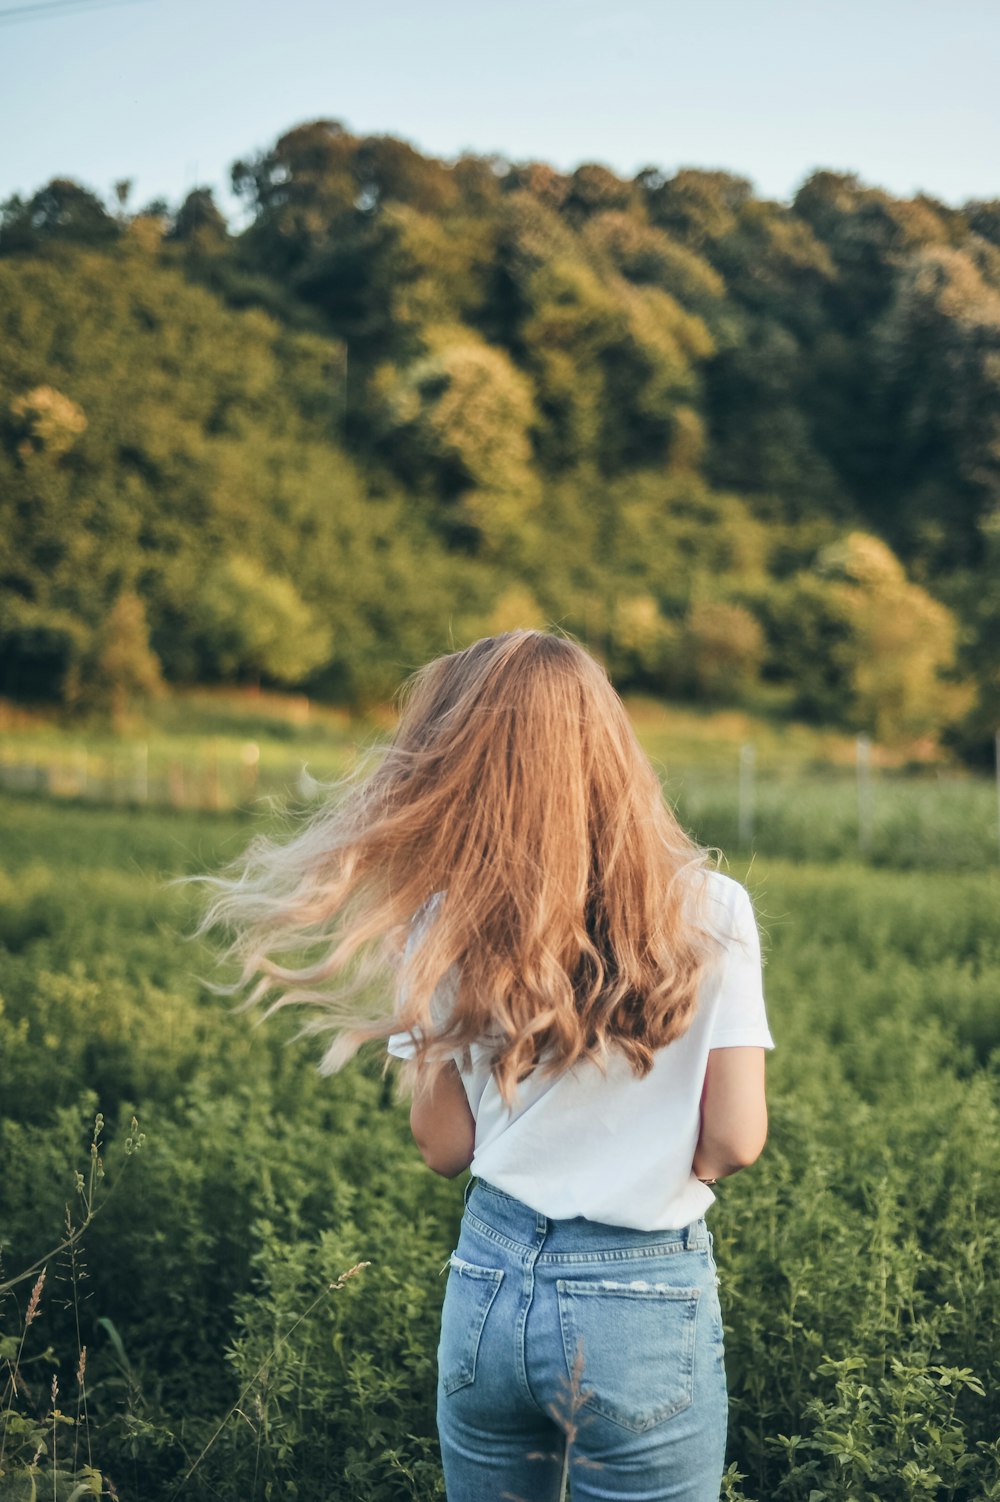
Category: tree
<point>540,180</point>
<point>594,189</point>
<point>43,632</point>
<point>647,256</point>
<point>40,644</point>
<point>480,182</point>
<point>867,233</point>
<point>761,440</point>
<point>722,649</point>
<point>200,222</point>
<point>300,191</point>
<point>251,623</point>
<point>904,642</point>
<point>642,644</point>
<point>983,216</point>
<point>616,397</point>
<point>979,593</point>
<point>812,645</point>
<point>388,170</point>
<point>63,210</point>
<point>937,361</point>
<point>774,264</point>
<point>695,207</point>
<point>459,421</point>
<point>119,665</point>
<point>51,422</point>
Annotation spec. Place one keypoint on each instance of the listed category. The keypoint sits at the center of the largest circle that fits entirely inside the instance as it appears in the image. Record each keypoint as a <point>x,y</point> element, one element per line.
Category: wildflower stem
<point>87,1190</point>
<point>55,1463</point>
<point>564,1478</point>
<point>281,1341</point>
<point>32,1311</point>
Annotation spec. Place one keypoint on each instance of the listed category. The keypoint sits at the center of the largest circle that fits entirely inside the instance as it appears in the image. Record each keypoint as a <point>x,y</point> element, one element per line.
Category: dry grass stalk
<point>278,1345</point>
<point>36,1294</point>
<point>565,1411</point>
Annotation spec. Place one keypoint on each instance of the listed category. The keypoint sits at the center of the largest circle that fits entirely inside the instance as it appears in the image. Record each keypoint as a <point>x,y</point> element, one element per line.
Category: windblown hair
<point>514,793</point>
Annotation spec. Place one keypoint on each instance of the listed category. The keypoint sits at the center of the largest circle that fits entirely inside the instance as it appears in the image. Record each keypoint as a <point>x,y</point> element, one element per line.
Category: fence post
<point>214,799</point>
<point>175,783</point>
<point>864,769</point>
<point>142,772</point>
<point>748,762</point>
<point>250,757</point>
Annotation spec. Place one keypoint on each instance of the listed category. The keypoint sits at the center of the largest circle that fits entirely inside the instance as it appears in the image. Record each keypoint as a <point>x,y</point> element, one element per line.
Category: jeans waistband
<point>501,1217</point>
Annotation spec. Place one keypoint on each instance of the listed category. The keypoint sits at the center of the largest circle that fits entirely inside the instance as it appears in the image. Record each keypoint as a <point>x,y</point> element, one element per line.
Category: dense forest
<point>744,449</point>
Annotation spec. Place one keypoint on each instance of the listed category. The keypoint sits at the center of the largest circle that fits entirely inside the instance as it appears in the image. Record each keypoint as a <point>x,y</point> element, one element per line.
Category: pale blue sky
<point>171,92</point>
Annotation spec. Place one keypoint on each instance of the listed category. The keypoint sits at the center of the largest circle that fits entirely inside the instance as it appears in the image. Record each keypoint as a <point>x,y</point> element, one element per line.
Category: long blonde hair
<point>514,793</point>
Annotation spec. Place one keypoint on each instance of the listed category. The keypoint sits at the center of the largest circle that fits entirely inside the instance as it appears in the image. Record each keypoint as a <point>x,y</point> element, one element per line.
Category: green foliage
<point>903,641</point>
<point>199,221</point>
<point>121,664</point>
<point>246,620</point>
<point>459,422</point>
<point>227,1355</point>
<point>865,645</point>
<point>723,648</point>
<point>195,467</point>
<point>978,598</point>
<point>409,388</point>
<point>62,210</point>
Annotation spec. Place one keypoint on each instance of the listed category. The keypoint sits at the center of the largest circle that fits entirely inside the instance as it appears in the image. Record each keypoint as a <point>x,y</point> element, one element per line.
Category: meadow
<point>746,780</point>
<point>228,1356</point>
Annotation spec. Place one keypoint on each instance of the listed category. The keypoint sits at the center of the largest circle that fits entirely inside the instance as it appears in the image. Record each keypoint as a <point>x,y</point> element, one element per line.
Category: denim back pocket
<point>467,1301</point>
<point>630,1347</point>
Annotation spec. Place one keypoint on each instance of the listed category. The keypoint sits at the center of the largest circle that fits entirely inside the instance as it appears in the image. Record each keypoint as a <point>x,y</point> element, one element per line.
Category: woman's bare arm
<point>733,1112</point>
<point>443,1125</point>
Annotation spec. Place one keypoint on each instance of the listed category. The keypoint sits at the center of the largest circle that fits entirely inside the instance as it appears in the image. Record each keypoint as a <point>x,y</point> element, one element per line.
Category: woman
<point>579,1002</point>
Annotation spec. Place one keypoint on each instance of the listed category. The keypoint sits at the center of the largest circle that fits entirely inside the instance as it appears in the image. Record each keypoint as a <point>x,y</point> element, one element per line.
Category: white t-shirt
<point>612,1147</point>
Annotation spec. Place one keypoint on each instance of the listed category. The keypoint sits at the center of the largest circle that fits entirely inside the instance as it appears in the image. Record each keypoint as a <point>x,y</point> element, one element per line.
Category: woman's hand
<point>733,1113</point>
<point>442,1123</point>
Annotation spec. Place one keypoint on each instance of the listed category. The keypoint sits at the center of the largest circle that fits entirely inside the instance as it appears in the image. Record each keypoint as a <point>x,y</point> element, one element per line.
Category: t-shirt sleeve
<point>401,1045</point>
<point>740,1015</point>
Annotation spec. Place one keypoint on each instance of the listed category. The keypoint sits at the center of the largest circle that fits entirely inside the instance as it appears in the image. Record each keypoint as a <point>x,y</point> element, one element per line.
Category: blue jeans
<point>571,1340</point>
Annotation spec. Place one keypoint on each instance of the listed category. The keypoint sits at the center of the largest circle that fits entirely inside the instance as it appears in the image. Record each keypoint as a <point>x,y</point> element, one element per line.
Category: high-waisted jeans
<point>576,1340</point>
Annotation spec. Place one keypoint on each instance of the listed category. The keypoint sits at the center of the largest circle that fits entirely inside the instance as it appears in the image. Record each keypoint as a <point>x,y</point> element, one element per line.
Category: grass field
<point>798,797</point>
<point>859,1257</point>
<point>290,729</point>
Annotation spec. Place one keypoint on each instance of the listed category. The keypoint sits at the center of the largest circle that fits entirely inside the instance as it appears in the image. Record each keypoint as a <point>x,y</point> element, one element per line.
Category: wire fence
<point>133,777</point>
<point>937,820</point>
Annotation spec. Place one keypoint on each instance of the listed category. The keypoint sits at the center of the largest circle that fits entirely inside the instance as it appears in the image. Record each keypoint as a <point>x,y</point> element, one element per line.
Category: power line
<point>37,9</point>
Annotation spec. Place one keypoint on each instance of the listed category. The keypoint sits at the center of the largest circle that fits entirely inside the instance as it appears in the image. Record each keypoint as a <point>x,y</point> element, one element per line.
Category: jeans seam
<point>528,1256</point>
<point>527,1294</point>
<point>497,1236</point>
<point>625,1254</point>
<point>527,1298</point>
<point>617,1254</point>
